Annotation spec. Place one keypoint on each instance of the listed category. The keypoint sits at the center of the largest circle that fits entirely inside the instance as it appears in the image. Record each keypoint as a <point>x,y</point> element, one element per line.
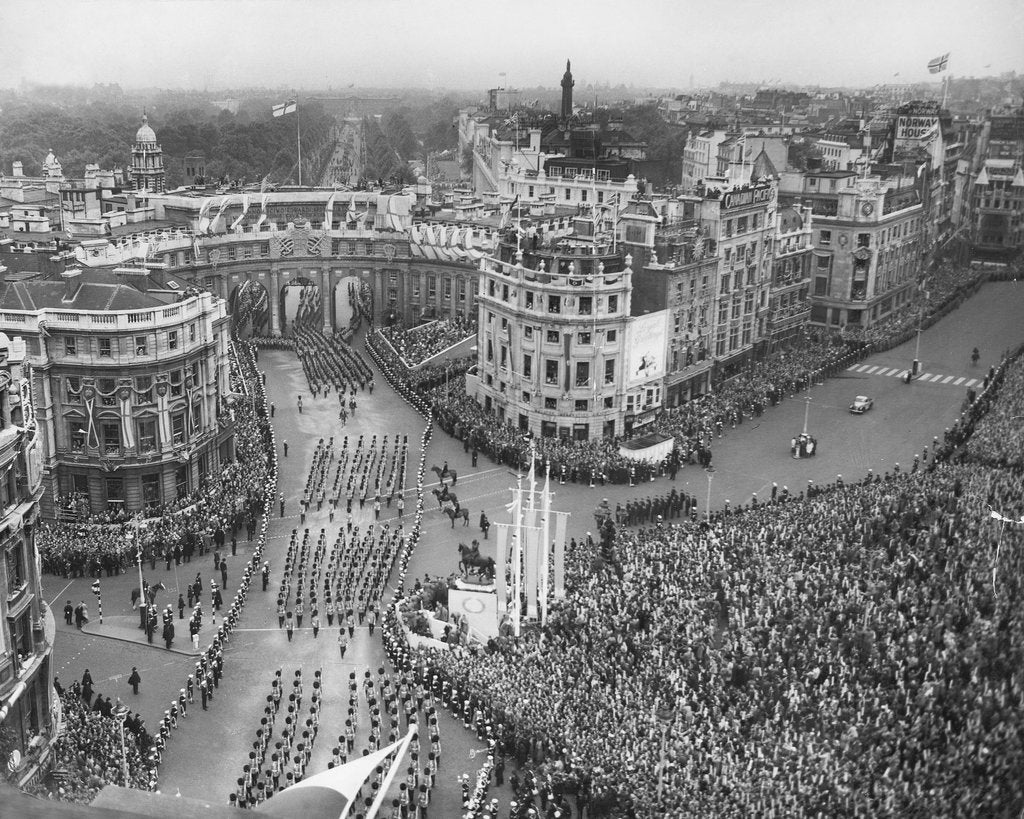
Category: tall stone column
<point>275,302</point>
<point>325,298</point>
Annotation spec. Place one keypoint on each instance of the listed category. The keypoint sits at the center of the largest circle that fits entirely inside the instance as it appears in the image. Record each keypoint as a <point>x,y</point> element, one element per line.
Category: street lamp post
<point>707,508</point>
<point>143,602</point>
<point>807,410</point>
<point>916,370</point>
<point>121,713</point>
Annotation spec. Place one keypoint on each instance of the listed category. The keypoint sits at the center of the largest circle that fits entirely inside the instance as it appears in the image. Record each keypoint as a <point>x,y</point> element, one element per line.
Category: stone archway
<point>302,306</point>
<point>249,307</point>
<point>346,302</point>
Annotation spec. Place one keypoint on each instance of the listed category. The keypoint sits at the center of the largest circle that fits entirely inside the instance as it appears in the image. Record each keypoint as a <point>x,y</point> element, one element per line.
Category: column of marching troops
<point>361,469</point>
<point>392,704</point>
<point>354,573</point>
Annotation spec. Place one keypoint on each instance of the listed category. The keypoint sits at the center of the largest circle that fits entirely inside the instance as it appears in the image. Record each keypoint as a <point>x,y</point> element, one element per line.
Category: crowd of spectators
<point>87,755</point>
<point>417,344</point>
<point>229,500</point>
<point>858,650</point>
<point>422,379</point>
<point>998,439</point>
<point>694,425</point>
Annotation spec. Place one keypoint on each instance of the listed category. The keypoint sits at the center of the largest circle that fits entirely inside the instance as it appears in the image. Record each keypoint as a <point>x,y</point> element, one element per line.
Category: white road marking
<point>55,599</point>
<point>871,370</point>
<point>925,377</point>
<point>973,382</point>
<point>948,378</point>
<point>959,381</point>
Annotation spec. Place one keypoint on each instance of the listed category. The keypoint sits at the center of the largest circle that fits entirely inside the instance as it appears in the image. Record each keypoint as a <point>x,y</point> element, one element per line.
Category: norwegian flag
<point>938,65</point>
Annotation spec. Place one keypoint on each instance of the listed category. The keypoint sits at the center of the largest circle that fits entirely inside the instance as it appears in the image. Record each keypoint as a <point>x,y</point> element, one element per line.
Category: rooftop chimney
<point>72,283</point>
<point>17,169</point>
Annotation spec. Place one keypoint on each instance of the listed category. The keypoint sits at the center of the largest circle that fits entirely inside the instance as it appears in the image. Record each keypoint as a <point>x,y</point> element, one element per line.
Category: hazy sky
<point>467,45</point>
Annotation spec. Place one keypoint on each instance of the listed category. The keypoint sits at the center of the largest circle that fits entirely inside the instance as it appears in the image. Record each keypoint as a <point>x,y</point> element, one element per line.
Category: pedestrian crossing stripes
<point>896,372</point>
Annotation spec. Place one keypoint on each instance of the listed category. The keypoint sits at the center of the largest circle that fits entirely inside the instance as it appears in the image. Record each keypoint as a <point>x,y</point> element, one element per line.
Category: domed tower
<point>147,160</point>
<point>567,83</point>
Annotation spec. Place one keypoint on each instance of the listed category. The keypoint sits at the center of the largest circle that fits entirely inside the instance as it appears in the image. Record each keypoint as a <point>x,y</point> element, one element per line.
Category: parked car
<point>861,404</point>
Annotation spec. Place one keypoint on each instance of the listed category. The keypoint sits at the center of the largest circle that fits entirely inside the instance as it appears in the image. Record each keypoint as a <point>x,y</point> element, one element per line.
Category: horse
<point>454,512</point>
<point>442,474</point>
<point>470,559</point>
<point>444,495</point>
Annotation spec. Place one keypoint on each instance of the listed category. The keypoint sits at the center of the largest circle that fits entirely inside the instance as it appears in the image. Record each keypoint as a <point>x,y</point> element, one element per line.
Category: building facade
<point>700,156</point>
<point>129,383</point>
<point>26,622</point>
<point>992,203</point>
<point>742,220</point>
<point>681,277</point>
<point>353,249</point>
<point>147,160</point>
<point>559,353</point>
<point>789,303</point>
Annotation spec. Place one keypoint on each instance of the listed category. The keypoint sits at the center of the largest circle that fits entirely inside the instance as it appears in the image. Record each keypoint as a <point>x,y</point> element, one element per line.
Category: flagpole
<point>392,770</point>
<point>545,543</point>
<point>517,560</point>
<point>298,138</point>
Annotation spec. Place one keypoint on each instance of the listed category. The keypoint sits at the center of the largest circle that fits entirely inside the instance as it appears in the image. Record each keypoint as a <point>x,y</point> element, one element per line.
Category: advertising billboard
<point>646,348</point>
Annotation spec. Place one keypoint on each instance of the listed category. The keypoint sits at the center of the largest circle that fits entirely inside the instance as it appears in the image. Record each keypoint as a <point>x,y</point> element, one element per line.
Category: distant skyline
<point>463,45</point>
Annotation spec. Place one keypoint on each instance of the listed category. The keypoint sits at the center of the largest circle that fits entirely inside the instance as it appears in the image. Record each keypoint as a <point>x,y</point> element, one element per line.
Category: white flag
<point>284,108</point>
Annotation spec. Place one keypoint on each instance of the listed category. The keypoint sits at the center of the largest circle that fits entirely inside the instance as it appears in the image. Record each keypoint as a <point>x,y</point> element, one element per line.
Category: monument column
<point>275,306</point>
<point>325,300</point>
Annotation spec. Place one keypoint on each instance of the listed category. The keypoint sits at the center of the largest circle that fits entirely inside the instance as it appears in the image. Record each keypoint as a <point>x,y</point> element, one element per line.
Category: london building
<point>147,160</point>
<point>789,303</point>
<point>741,219</point>
<point>868,244</point>
<point>26,622</point>
<point>129,370</point>
<point>991,211</point>
<point>560,350</point>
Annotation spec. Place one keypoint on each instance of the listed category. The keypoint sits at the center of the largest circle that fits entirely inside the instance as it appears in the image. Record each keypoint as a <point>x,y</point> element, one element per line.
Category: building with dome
<point>147,160</point>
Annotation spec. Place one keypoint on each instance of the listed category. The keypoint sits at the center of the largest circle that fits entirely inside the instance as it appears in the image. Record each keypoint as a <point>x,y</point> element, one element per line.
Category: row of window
<point>108,347</point>
<point>146,432</point>
<point>554,304</point>
<point>736,337</point>
<point>741,224</point>
<point>552,368</point>
<point>151,486</point>
<point>143,386</point>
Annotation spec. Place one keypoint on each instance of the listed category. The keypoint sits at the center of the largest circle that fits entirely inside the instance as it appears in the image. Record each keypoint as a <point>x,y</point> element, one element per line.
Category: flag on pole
<point>284,108</point>
<point>513,121</point>
<point>938,65</point>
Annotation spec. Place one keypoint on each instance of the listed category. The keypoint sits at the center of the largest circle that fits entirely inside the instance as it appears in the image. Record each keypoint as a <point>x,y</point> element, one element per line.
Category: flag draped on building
<point>939,64</point>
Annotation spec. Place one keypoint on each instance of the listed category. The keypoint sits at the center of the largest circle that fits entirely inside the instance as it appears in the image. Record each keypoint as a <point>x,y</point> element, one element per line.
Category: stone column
<point>325,291</point>
<point>275,302</point>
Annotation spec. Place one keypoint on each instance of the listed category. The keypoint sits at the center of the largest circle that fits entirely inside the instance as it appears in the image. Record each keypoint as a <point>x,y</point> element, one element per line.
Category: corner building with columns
<point>129,373</point>
<point>559,352</point>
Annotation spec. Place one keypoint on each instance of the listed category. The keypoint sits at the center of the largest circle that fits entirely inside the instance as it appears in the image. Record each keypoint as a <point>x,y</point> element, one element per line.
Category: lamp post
<point>121,712</point>
<point>807,410</point>
<point>916,370</point>
<point>143,602</point>
<point>710,471</point>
